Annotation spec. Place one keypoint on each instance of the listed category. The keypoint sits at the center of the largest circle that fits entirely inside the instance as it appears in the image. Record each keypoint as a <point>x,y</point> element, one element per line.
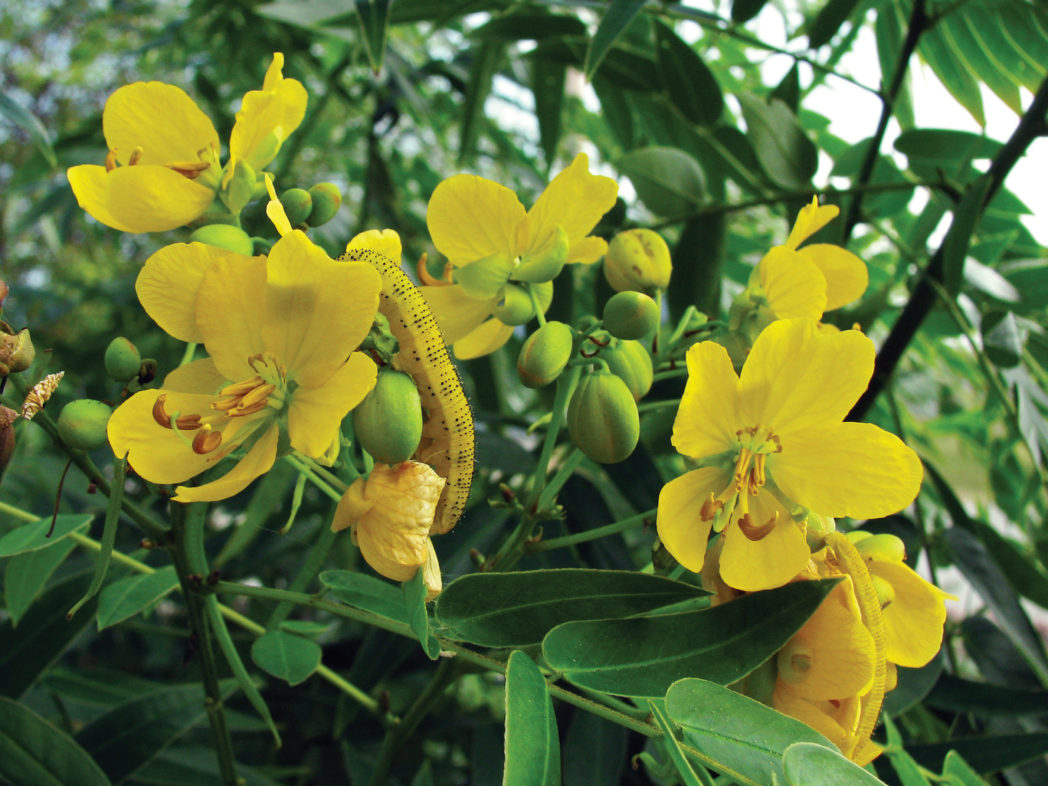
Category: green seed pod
<point>298,204</point>
<point>122,360</point>
<point>326,201</point>
<point>388,422</point>
<point>882,548</point>
<point>516,307</point>
<point>630,361</point>
<point>224,236</point>
<point>544,355</point>
<point>630,315</point>
<point>82,423</point>
<point>638,259</point>
<point>602,418</point>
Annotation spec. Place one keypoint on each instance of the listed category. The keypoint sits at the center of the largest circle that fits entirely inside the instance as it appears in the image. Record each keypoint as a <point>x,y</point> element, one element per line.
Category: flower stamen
<point>206,440</point>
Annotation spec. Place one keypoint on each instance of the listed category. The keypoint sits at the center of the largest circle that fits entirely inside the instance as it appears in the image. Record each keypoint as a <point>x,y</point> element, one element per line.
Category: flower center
<point>747,479</point>
<point>206,157</point>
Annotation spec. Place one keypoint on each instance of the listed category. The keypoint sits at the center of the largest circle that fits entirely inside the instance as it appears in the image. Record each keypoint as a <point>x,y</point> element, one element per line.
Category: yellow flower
<point>772,440</point>
<point>163,167</point>
<point>281,333</point>
<point>498,250</point>
<point>391,513</point>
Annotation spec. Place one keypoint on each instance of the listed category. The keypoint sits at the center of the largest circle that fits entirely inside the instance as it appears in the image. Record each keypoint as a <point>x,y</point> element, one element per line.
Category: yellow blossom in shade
<point>163,167</point>
<point>281,333</point>
<point>772,440</point>
<point>492,242</point>
<point>391,513</point>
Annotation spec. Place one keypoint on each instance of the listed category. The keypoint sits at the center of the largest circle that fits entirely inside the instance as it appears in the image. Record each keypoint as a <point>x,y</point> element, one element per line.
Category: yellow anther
<point>111,162</point>
<point>206,440</point>
<point>754,531</point>
<point>136,156</point>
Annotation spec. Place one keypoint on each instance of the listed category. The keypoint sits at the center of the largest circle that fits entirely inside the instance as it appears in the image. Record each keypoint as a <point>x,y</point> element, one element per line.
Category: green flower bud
<point>326,201</point>
<point>516,307</point>
<point>602,418</point>
<point>857,534</point>
<point>638,259</point>
<point>882,548</point>
<point>122,360</point>
<point>630,315</point>
<point>225,236</point>
<point>16,350</point>
<point>630,361</point>
<point>82,423</point>
<point>298,204</point>
<point>544,355</point>
<point>388,422</point>
<point>547,265</point>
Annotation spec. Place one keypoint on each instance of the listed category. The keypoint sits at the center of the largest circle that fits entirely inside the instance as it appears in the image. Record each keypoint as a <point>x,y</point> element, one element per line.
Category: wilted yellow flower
<point>495,246</point>
<point>281,333</point>
<point>773,440</point>
<point>163,167</point>
<point>391,513</point>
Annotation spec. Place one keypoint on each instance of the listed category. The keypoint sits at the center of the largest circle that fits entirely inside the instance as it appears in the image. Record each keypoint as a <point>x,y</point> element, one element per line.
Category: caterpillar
<point>447,432</point>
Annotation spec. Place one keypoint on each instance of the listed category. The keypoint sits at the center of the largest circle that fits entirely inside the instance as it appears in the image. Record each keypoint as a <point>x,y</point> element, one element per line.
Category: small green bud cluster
<point>602,418</point>
<point>313,207</point>
<point>124,363</point>
<point>388,422</point>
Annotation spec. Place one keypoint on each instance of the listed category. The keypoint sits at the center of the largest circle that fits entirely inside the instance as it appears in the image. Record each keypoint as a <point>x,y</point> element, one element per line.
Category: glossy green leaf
<point>945,145</point>
<point>643,656</point>
<point>547,85</point>
<point>809,764</point>
<point>516,609</point>
<point>958,238</point>
<point>28,122</point>
<point>888,30</point>
<point>903,764</point>
<point>414,599</point>
<point>594,750</point>
<point>26,574</point>
<point>989,753</point>
<point>782,147</point>
<point>745,738</point>
<point>1021,26</point>
<point>953,72</point>
<point>913,685</point>
<point>619,14</point>
<point>745,10</point>
<point>979,698</point>
<point>991,65</point>
<point>668,180</point>
<point>287,656</point>
<point>366,592</point>
<point>828,21</point>
<point>127,597</point>
<point>33,752</point>
<point>686,80</point>
<point>957,772</point>
<point>486,58</point>
<point>530,26</point>
<point>33,536</point>
<point>669,743</point>
<point>532,745</point>
<point>131,734</point>
<point>374,23</point>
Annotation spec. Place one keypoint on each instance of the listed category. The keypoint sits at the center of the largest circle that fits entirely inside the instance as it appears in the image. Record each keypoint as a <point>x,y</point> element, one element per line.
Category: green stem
<point>648,406</point>
<point>108,536</point>
<point>560,477</point>
<point>299,463</point>
<point>592,534</point>
<point>565,387</point>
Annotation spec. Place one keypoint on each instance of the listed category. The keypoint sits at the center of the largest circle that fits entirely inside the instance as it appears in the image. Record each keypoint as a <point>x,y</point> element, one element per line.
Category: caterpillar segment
<point>447,432</point>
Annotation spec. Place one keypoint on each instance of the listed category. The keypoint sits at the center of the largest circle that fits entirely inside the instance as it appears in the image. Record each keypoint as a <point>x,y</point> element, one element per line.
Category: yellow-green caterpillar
<point>447,433</point>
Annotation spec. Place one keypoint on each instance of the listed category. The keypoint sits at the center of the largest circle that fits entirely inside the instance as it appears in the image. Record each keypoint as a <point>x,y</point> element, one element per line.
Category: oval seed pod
<point>326,201</point>
<point>122,360</point>
<point>82,423</point>
<point>544,355</point>
<point>388,422</point>
<point>630,315</point>
<point>630,361</point>
<point>224,236</point>
<point>298,204</point>
<point>602,418</point>
<point>638,259</point>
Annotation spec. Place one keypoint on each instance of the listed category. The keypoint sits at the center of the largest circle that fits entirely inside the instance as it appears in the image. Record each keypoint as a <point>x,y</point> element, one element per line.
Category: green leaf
<point>937,52</point>
<point>643,656</point>
<point>783,149</point>
<point>26,574</point>
<point>287,656</point>
<point>619,14</point>
<point>987,754</point>
<point>905,767</point>
<point>828,21</point>
<point>366,592</point>
<point>414,599</point>
<point>547,85</point>
<point>305,627</point>
<point>131,734</point>
<point>991,67</point>
<point>958,238</point>
<point>517,609</point>
<point>745,739</point>
<point>672,747</point>
<point>127,597</point>
<point>1002,341</point>
<point>686,79</point>
<point>745,10</point>
<point>594,750</point>
<point>913,685</point>
<point>957,772</point>
<point>532,745</point>
<point>33,751</point>
<point>530,26</point>
<point>809,764</point>
<point>668,180</point>
<point>193,765</point>
<point>28,122</point>
<point>33,536</point>
<point>374,22</point>
<point>486,58</point>
<point>980,698</point>
<point>698,259</point>
<point>945,146</point>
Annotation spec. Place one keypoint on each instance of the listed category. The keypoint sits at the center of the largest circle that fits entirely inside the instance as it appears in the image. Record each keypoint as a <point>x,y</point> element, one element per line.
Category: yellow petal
<point>431,572</point>
<point>810,220</point>
<point>470,217</point>
<point>770,561</point>
<point>154,198</point>
<point>385,242</point>
<point>587,250</point>
<point>259,459</point>
<point>315,413</point>
<point>168,284</point>
<point>913,621</point>
<point>482,341</point>
<point>575,200</point>
<point>200,376</point>
<point>681,529</point>
<point>793,286</point>
<point>847,469</point>
<point>457,313</point>
<point>317,311</point>
<point>787,701</point>
<point>797,377</point>
<point>846,274</point>
<point>351,507</point>
<point>229,312</point>
<point>708,416</point>
<point>91,190</point>
<point>267,117</point>
<point>157,454</point>
<point>161,120</point>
